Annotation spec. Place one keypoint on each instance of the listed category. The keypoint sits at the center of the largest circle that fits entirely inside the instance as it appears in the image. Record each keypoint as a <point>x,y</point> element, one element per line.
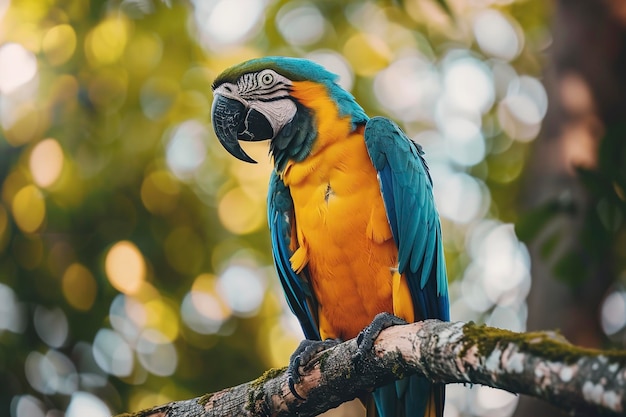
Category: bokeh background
<point>135,266</point>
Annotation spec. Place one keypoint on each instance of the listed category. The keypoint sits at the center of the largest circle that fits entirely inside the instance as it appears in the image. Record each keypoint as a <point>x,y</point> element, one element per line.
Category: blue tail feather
<point>409,397</point>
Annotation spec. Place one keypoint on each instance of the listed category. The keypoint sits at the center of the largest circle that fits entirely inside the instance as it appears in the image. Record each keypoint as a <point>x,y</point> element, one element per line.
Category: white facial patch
<point>278,112</point>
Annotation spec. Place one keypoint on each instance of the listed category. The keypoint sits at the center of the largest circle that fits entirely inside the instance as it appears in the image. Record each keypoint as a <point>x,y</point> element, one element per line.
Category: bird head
<point>255,101</point>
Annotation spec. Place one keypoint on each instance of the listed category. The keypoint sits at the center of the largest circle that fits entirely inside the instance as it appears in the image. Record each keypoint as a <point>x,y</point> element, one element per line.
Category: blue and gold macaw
<point>354,227</point>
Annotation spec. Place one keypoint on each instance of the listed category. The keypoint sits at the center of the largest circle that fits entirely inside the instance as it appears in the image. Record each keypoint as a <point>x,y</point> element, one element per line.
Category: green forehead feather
<point>295,69</point>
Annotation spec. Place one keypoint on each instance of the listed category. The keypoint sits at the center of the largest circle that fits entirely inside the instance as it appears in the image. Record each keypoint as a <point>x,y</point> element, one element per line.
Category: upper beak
<point>234,121</point>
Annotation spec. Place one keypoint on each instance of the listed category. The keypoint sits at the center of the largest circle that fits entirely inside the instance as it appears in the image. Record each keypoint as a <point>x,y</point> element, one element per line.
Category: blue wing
<point>406,188</point>
<point>296,286</point>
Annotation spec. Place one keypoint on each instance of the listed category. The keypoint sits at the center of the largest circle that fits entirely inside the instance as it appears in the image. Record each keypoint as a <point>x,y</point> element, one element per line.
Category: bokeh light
<point>186,148</point>
<point>112,353</point>
<point>17,67</point>
<point>12,312</point>
<point>105,43</point>
<point>490,401</point>
<point>242,288</point>
<point>239,213</point>
<point>409,88</point>
<point>520,113</point>
<point>79,287</point>
<point>125,267</point>
<point>613,312</point>
<point>496,35</point>
<point>461,197</point>
<point>27,406</point>
<point>300,23</point>
<point>498,276</point>
<point>223,23</point>
<point>203,309</point>
<point>51,326</point>
<point>464,141</point>
<point>46,162</point>
<point>467,83</point>
<point>156,353</point>
<point>128,317</point>
<point>29,208</point>
<point>51,373</point>
<point>86,404</point>
<point>59,44</point>
<point>161,316</point>
<point>367,53</point>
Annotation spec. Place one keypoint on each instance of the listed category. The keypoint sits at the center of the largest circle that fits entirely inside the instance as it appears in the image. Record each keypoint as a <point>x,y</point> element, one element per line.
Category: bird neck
<point>330,125</point>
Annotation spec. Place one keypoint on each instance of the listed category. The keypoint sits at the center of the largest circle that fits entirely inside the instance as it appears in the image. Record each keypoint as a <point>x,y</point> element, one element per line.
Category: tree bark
<point>540,364</point>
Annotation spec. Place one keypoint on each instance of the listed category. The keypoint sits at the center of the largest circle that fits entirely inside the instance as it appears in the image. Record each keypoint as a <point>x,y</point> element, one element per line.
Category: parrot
<point>355,234</point>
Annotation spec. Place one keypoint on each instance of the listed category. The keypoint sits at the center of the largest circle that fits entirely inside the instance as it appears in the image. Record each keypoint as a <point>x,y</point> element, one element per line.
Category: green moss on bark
<point>204,399</point>
<point>267,375</point>
<point>548,345</point>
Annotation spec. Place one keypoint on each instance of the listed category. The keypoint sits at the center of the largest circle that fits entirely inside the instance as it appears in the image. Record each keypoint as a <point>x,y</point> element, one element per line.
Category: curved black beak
<point>233,121</point>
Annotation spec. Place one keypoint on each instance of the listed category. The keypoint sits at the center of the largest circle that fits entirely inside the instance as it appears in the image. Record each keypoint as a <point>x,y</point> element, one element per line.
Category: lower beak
<point>233,121</point>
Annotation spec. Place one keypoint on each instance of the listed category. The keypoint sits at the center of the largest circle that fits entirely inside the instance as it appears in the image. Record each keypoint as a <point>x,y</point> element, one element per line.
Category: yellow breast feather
<point>342,232</point>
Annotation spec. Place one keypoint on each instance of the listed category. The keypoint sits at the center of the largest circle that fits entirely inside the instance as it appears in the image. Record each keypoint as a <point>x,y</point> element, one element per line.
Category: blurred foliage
<point>603,233</point>
<point>134,258</point>
<point>604,230</point>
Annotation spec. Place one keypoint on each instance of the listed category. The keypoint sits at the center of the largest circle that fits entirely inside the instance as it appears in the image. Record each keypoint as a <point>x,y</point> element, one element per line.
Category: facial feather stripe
<point>265,86</point>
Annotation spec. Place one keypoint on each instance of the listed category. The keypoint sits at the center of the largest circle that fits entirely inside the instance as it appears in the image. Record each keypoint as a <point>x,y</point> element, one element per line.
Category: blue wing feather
<point>299,297</point>
<point>406,188</point>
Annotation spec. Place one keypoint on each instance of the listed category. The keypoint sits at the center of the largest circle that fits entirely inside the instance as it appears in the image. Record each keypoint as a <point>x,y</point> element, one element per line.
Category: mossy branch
<point>542,364</point>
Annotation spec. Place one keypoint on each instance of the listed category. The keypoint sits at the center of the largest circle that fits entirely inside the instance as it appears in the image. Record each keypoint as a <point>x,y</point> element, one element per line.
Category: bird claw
<point>366,338</point>
<point>292,388</point>
<point>302,356</point>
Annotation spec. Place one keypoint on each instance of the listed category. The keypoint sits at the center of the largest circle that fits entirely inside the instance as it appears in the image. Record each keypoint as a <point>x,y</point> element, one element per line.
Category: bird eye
<point>267,78</point>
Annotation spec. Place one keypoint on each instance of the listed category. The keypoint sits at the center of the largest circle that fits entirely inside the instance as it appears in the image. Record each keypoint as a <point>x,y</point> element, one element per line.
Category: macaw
<point>353,224</point>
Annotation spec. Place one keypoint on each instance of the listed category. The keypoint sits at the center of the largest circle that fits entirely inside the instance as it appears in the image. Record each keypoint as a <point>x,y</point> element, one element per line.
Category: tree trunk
<point>586,82</point>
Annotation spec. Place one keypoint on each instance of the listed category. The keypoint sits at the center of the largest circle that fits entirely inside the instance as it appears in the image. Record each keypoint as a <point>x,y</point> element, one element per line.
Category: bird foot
<point>302,356</point>
<point>366,338</point>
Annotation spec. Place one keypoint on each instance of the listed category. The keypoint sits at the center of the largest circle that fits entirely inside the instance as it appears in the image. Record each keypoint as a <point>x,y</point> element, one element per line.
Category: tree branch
<point>541,364</point>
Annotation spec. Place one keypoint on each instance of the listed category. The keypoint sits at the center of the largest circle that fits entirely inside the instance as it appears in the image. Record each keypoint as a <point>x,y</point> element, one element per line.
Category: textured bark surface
<point>542,364</point>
